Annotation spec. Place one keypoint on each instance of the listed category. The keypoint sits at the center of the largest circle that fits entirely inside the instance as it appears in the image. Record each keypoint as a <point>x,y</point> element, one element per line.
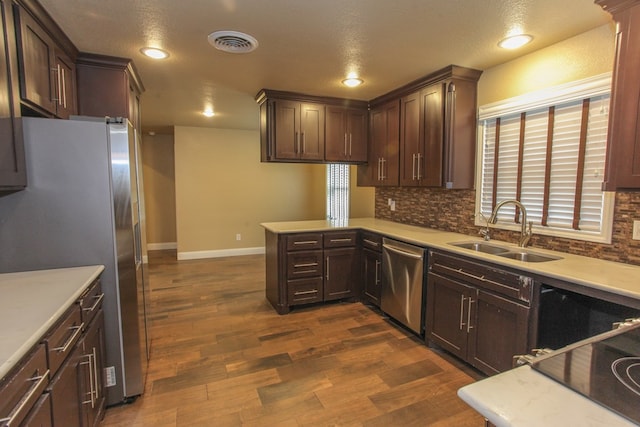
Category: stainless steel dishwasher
<point>403,283</point>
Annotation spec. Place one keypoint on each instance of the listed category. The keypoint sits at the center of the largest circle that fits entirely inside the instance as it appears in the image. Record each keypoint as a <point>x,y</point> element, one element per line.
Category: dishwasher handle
<point>402,252</point>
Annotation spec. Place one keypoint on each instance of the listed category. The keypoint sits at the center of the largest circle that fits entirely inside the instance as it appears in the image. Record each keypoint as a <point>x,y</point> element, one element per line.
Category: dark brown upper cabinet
<point>438,130</point>
<point>46,58</point>
<point>13,176</point>
<point>384,146</point>
<point>346,134</point>
<point>623,140</point>
<point>295,128</point>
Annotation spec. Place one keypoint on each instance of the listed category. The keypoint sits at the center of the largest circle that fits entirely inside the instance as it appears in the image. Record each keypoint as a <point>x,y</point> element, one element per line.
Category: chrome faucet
<point>485,232</point>
<point>526,231</point>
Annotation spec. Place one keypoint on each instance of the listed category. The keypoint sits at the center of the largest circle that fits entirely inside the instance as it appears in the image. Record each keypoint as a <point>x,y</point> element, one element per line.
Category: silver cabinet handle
<point>91,393</point>
<point>305,242</point>
<point>350,141</point>
<point>371,242</point>
<point>72,338</point>
<point>64,88</point>
<point>418,158</point>
<point>345,145</point>
<point>378,271</point>
<point>347,239</point>
<point>315,291</point>
<point>379,169</point>
<point>462,298</point>
<point>304,140</point>
<point>308,264</point>
<point>327,276</point>
<point>296,142</point>
<point>95,372</point>
<point>95,304</point>
<point>384,168</point>
<point>469,327</point>
<point>37,388</point>
<point>413,167</point>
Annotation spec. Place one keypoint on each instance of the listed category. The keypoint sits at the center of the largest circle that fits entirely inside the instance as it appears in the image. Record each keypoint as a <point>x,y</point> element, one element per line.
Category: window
<point>547,150</point>
<point>337,191</point>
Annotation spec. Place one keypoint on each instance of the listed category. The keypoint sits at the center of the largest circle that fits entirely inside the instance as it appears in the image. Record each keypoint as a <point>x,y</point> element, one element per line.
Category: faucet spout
<point>526,230</point>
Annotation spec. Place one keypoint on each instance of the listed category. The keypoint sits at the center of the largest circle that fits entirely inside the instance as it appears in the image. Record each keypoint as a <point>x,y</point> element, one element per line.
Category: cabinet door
<point>286,129</point>
<point>40,415</point>
<point>36,63</point>
<point>336,138</point>
<point>13,174</point>
<point>384,147</point>
<point>65,390</point>
<point>341,273</point>
<point>92,387</point>
<point>312,121</point>
<point>430,164</point>
<point>499,331</point>
<point>357,135</point>
<point>447,316</point>
<point>410,145</point>
<point>371,262</point>
<point>65,84</point>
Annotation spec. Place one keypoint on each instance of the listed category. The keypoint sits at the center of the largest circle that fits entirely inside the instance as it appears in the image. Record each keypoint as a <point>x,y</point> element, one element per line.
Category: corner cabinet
<point>438,131</point>
<point>305,268</point>
<point>307,129</point>
<point>623,141</point>
<point>13,175</point>
<point>384,146</point>
<point>468,302</point>
<point>371,267</point>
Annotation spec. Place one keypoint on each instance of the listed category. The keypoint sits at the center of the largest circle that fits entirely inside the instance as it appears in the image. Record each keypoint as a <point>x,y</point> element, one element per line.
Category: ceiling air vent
<point>232,41</point>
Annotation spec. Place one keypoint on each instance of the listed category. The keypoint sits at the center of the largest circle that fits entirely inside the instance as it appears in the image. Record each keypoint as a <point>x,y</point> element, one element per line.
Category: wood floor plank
<point>221,356</point>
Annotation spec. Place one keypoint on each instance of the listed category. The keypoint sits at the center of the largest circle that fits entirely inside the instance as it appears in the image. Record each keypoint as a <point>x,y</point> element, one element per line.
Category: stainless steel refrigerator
<point>83,206</point>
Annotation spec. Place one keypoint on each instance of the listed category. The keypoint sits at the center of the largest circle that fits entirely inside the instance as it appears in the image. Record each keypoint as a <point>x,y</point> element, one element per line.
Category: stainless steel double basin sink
<point>519,254</point>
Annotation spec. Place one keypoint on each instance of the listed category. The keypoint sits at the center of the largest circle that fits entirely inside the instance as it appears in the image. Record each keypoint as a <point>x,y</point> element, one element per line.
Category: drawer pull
<point>72,338</point>
<point>306,242</point>
<point>315,291</point>
<point>98,298</point>
<point>305,271</point>
<point>346,239</point>
<point>16,415</point>
<point>309,264</point>
<point>371,242</point>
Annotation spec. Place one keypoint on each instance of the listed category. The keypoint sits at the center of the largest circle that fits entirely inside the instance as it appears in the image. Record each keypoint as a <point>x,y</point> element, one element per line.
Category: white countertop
<point>523,397</point>
<point>31,303</point>
<point>608,276</point>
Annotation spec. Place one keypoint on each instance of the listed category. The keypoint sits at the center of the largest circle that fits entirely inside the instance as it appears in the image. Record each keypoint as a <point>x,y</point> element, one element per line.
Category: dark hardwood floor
<point>221,356</point>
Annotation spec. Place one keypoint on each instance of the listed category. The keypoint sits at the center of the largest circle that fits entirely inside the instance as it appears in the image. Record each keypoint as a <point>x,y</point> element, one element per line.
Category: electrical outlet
<point>110,376</point>
<point>238,236</point>
<point>393,205</point>
<point>636,230</point>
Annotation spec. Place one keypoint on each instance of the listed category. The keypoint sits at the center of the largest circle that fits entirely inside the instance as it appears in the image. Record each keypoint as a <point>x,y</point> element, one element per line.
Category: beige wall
<point>159,190</point>
<point>584,55</point>
<point>362,199</point>
<point>222,189</point>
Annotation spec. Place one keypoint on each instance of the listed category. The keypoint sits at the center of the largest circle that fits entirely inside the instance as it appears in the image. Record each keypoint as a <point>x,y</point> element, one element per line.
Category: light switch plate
<point>636,230</point>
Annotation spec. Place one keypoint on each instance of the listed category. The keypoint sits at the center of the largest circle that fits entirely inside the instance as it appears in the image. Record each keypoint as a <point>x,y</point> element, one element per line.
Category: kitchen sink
<point>481,247</point>
<point>518,255</point>
<point>528,256</point>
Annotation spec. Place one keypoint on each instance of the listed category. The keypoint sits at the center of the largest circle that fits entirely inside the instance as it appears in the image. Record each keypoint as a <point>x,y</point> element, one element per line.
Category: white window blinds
<point>547,150</point>
<point>337,191</point>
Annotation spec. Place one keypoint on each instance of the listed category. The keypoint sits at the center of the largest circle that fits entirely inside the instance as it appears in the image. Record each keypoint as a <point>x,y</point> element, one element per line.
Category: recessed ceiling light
<point>352,82</point>
<point>155,53</point>
<point>514,42</point>
<point>208,112</point>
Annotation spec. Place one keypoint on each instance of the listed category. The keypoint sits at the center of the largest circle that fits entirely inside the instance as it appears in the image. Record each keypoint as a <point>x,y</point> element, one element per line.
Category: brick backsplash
<point>453,210</point>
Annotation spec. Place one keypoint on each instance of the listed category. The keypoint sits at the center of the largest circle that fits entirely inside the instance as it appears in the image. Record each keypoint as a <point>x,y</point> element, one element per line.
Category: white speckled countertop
<point>30,304</point>
<point>608,276</point>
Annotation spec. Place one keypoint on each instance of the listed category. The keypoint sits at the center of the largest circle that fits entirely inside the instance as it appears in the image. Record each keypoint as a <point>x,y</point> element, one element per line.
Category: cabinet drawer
<point>20,392</point>
<point>305,241</point>
<point>63,337</point>
<point>340,239</point>
<point>91,302</point>
<point>304,264</point>
<point>304,291</point>
<point>372,241</point>
<point>507,283</point>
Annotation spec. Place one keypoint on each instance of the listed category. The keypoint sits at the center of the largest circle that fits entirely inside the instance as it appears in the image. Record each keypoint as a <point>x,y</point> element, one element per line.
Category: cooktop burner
<point>605,369</point>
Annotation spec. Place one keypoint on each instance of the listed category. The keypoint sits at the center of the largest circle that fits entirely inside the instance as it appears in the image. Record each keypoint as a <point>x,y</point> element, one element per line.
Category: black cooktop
<point>605,369</point>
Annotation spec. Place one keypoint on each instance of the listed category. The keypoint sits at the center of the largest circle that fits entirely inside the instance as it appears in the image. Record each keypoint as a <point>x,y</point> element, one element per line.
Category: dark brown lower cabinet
<point>371,264</point>
<point>341,273</point>
<point>475,323</point>
<point>40,415</point>
<point>77,390</point>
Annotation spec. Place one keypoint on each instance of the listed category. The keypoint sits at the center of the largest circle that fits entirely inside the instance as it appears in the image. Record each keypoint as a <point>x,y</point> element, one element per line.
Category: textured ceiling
<point>305,46</point>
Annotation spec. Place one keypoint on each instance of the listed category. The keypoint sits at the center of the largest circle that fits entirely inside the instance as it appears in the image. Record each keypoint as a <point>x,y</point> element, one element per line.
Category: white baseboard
<point>220,253</point>
<point>161,246</point>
